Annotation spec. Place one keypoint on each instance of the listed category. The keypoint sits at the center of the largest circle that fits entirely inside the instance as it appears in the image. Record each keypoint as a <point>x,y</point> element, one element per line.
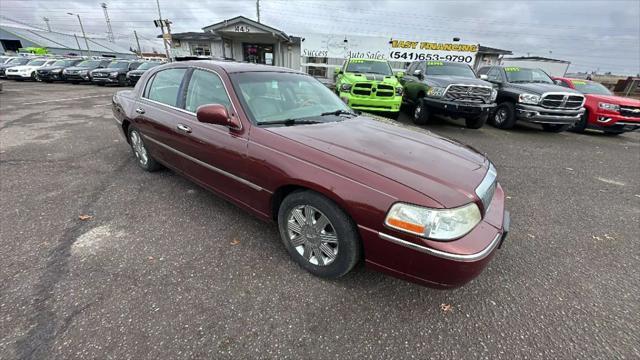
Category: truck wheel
<point>476,122</point>
<point>556,128</point>
<point>581,124</point>
<point>504,117</point>
<point>421,113</point>
<point>393,115</point>
<point>122,81</point>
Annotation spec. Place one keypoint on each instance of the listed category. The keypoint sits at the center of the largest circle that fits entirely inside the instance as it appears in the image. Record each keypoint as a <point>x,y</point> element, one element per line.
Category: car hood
<point>136,72</point>
<point>445,80</point>
<point>614,99</point>
<point>539,88</point>
<point>441,169</point>
<point>74,68</point>
<point>366,77</point>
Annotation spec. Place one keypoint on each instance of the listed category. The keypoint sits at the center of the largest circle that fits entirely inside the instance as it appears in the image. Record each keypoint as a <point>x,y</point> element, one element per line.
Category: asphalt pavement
<point>161,269</point>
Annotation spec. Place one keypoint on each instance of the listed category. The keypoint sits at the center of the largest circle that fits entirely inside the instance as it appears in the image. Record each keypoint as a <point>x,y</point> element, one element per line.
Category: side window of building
<point>165,86</point>
<point>205,87</point>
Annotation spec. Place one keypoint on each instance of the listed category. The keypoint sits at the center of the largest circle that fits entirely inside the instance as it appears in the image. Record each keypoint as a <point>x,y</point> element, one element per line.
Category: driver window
<point>205,87</point>
<point>494,74</point>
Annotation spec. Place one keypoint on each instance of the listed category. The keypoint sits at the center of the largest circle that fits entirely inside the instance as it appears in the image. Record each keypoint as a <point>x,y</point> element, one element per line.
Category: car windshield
<point>147,65</point>
<point>36,62</point>
<point>89,63</point>
<point>272,97</point>
<point>590,87</point>
<point>442,68</point>
<point>524,75</point>
<point>369,66</point>
<point>18,61</point>
<point>63,63</point>
<point>118,65</point>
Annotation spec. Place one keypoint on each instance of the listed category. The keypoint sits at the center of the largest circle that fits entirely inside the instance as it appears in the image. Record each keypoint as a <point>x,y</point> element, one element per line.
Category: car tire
<point>393,115</point>
<point>122,81</point>
<point>476,122</point>
<point>581,125</point>
<point>74,82</point>
<point>143,157</point>
<point>99,84</point>
<point>555,128</point>
<point>330,252</point>
<point>421,114</point>
<point>504,116</point>
<point>34,76</point>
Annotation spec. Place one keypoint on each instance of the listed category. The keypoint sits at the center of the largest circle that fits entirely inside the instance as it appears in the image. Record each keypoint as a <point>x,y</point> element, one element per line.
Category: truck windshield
<point>590,87</point>
<point>524,75</point>
<point>440,68</point>
<point>274,97</point>
<point>368,66</point>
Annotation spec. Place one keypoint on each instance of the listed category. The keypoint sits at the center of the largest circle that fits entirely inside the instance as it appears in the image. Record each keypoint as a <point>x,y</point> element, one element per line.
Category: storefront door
<point>257,53</point>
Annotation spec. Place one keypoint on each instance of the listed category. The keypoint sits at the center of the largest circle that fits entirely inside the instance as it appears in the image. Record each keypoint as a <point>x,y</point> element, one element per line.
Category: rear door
<point>157,115</point>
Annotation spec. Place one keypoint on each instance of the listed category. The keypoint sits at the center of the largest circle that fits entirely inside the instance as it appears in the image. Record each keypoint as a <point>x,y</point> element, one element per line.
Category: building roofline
<point>224,23</point>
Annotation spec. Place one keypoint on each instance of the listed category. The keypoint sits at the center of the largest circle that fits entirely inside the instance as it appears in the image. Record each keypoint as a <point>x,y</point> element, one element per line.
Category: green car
<point>369,85</point>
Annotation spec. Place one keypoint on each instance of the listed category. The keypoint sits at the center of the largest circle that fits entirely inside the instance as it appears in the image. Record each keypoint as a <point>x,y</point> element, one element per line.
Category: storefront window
<point>201,49</point>
<point>316,70</point>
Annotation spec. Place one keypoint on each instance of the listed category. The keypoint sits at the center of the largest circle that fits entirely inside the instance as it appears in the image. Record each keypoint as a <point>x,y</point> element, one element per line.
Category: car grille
<point>562,101</point>
<point>372,90</point>
<point>468,93</point>
<point>630,111</point>
<point>99,75</point>
<point>43,72</point>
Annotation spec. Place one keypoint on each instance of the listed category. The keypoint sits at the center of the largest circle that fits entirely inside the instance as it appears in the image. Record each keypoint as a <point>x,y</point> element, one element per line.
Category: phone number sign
<point>407,50</point>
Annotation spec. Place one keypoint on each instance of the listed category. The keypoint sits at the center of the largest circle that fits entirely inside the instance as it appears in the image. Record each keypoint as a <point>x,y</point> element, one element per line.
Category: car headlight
<point>113,73</point>
<point>399,91</point>
<point>55,71</point>
<point>529,99</point>
<point>83,72</point>
<point>345,87</point>
<point>435,91</point>
<point>494,94</point>
<point>436,224</point>
<point>609,106</point>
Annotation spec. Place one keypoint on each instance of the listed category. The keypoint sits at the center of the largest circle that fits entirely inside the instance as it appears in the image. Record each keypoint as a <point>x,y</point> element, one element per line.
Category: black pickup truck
<point>452,89</point>
<point>530,95</point>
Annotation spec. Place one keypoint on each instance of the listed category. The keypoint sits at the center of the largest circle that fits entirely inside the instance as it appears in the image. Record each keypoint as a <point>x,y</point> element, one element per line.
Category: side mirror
<point>418,73</point>
<point>337,71</point>
<point>400,74</point>
<point>483,77</point>
<point>216,114</point>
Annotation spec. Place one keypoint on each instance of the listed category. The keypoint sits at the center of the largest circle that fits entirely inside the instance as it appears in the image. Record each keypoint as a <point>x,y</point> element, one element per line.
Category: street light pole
<point>86,42</point>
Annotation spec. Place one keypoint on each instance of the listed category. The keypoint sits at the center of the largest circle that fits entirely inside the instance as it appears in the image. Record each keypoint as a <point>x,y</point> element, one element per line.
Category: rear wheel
<point>556,128</point>
<point>476,122</point>
<point>318,235</point>
<point>504,117</point>
<point>421,113</point>
<point>145,160</point>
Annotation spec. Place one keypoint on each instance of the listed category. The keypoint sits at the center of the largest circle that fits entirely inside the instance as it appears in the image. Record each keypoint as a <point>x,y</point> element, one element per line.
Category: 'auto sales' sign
<point>406,50</point>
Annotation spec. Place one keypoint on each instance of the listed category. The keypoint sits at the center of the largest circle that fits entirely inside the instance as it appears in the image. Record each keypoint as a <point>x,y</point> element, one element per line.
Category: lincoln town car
<point>341,187</point>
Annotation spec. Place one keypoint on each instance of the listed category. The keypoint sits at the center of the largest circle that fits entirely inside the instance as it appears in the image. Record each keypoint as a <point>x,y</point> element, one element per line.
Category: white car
<point>28,71</point>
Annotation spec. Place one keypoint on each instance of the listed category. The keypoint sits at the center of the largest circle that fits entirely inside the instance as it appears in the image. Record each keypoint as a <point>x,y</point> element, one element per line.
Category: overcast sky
<point>593,35</point>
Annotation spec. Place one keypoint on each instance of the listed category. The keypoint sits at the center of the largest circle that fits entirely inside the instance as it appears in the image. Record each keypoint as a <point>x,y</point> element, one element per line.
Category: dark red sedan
<point>342,187</point>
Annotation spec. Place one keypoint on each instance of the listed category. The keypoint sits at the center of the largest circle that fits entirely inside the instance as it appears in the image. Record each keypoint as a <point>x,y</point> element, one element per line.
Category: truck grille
<point>372,90</point>
<point>562,101</point>
<point>467,93</point>
<point>630,111</point>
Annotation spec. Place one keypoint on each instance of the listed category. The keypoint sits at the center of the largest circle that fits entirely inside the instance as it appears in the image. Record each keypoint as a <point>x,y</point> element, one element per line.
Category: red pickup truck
<point>604,111</point>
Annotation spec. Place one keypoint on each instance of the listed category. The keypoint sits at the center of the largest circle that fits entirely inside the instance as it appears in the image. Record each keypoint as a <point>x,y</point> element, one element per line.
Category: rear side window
<point>165,86</point>
<point>205,87</point>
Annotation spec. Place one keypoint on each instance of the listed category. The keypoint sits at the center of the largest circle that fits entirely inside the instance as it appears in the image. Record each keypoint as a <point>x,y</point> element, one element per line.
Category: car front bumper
<point>76,77</point>
<point>18,76</point>
<point>459,108</point>
<point>435,263</point>
<point>104,80</point>
<point>541,115</point>
<point>368,103</point>
<point>49,76</point>
<point>613,121</point>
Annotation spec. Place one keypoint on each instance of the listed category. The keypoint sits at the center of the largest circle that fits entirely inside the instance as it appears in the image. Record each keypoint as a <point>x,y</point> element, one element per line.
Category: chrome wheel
<point>501,116</point>
<point>312,235</point>
<point>417,112</point>
<point>138,148</point>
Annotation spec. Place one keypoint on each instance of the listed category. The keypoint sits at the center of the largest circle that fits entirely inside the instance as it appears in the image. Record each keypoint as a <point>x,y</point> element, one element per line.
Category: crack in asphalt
<point>38,340</point>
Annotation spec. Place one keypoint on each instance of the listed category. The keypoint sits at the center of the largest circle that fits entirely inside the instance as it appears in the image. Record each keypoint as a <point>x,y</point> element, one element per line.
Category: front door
<point>258,53</point>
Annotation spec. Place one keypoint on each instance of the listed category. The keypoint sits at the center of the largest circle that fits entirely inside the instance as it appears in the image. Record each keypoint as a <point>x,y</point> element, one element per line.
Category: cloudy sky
<point>593,35</point>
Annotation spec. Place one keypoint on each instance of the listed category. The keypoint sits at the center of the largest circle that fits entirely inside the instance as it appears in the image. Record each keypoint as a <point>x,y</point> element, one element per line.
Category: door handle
<point>140,110</point>
<point>184,128</point>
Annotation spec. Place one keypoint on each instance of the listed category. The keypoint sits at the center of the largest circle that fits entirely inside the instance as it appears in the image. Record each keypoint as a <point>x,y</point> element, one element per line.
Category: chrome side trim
<point>443,254</point>
<point>204,164</point>
<point>486,189</point>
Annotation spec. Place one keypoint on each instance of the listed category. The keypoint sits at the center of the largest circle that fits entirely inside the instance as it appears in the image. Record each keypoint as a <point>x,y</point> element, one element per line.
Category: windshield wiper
<point>338,112</point>
<point>289,122</point>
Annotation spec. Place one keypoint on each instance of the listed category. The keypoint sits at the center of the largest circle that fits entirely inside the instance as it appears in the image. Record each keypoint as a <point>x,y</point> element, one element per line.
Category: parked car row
<point>500,95</point>
<point>74,70</point>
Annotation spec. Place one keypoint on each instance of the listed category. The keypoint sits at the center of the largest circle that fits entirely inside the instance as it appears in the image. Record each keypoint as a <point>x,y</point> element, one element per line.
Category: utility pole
<point>86,42</point>
<point>137,42</point>
<point>258,9</point>
<point>78,42</point>
<point>106,18</point>
<point>164,40</point>
<point>46,21</point>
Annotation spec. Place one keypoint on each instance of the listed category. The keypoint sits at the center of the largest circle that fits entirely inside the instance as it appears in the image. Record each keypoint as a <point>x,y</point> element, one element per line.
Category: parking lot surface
<point>161,269</point>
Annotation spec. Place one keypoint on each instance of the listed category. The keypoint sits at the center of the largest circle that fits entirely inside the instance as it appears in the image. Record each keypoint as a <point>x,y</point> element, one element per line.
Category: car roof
<point>233,67</point>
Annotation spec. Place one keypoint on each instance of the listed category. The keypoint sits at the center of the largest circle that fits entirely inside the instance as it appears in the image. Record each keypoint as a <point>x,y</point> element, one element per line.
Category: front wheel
<point>555,128</point>
<point>581,125</point>
<point>476,122</point>
<point>122,81</point>
<point>421,113</point>
<point>504,117</point>
<point>318,235</point>
<point>145,160</point>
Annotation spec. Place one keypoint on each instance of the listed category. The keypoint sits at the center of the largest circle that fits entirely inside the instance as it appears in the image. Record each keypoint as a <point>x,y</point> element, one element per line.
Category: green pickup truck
<point>369,85</point>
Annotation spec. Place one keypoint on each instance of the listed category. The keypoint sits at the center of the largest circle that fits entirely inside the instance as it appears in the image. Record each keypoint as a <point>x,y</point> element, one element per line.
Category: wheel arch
<point>299,185</point>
